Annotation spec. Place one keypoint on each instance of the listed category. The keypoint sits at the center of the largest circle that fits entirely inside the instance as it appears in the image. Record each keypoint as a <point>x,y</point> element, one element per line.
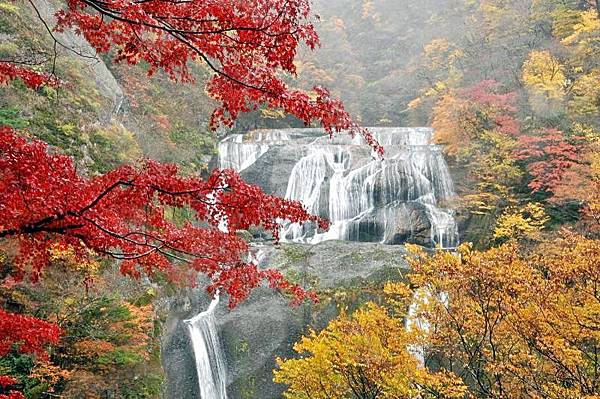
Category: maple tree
<point>515,321</point>
<point>31,78</point>
<point>248,46</point>
<point>363,356</point>
<point>121,214</point>
<point>47,209</point>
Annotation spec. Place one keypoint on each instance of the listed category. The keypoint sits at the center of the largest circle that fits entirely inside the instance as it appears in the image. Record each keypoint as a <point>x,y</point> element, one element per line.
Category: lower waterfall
<point>210,362</point>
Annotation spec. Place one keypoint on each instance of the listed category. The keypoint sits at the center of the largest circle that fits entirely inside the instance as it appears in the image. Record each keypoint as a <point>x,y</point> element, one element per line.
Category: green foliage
<point>119,357</point>
<point>142,387</point>
<point>12,117</point>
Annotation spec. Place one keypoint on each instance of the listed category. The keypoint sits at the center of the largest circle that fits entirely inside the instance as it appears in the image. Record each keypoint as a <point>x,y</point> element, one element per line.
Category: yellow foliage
<point>440,60</point>
<point>122,142</point>
<point>544,74</point>
<point>66,254</point>
<point>524,222</point>
<point>588,23</point>
<point>454,123</point>
<point>359,356</point>
<point>269,113</point>
<point>367,8</point>
<point>8,7</point>
<point>586,94</point>
<point>515,323</point>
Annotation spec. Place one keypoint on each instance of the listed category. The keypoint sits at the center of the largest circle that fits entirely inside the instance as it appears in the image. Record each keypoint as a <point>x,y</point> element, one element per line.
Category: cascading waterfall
<point>364,198</point>
<point>389,201</point>
<point>237,152</point>
<point>210,362</point>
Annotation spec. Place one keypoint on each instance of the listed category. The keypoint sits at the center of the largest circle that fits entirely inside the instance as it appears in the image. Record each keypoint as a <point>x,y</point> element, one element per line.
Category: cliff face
<point>266,326</point>
<point>104,114</point>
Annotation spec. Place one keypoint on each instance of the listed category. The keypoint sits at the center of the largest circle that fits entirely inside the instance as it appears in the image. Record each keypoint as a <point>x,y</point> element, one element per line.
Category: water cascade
<point>210,362</point>
<point>392,201</point>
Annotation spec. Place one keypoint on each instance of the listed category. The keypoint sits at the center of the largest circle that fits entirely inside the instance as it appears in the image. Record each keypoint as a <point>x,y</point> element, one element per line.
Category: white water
<point>365,199</point>
<point>239,153</point>
<point>210,362</point>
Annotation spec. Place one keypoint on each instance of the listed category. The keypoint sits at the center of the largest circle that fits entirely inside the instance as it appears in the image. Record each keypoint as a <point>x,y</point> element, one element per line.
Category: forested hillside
<point>110,208</point>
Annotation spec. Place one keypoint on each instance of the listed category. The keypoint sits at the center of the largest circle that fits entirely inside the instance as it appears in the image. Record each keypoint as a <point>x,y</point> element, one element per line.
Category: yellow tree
<point>514,323</point>
<point>363,356</point>
<point>543,73</point>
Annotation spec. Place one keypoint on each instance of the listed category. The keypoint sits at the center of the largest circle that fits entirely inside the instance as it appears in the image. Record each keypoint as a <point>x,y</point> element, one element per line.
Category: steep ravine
<point>375,207</point>
<point>266,326</point>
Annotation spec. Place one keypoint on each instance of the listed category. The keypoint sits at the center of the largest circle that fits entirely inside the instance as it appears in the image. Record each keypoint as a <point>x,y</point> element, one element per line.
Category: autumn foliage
<point>25,334</point>
<point>508,322</point>
<point>512,322</point>
<point>247,46</point>
<point>122,214</point>
<point>32,79</point>
<point>549,155</point>
<point>365,355</point>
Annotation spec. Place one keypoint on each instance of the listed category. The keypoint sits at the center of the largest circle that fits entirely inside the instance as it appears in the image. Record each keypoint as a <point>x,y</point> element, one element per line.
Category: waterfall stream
<point>210,362</point>
<point>395,200</point>
<point>364,198</point>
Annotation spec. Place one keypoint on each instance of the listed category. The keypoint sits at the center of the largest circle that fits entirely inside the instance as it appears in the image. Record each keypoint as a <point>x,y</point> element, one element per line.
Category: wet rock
<point>266,326</point>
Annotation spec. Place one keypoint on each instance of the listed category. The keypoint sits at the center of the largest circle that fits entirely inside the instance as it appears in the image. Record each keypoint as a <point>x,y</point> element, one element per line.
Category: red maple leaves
<point>123,215</point>
<point>500,108</point>
<point>548,155</point>
<point>249,46</point>
<point>27,335</point>
<point>32,79</point>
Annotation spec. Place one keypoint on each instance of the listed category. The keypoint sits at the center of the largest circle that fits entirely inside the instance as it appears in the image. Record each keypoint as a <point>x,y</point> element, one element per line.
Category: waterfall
<point>239,153</point>
<point>210,362</point>
<point>364,198</point>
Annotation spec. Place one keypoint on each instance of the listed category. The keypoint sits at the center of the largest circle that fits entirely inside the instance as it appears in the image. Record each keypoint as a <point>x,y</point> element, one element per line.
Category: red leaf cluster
<point>28,335</point>
<point>31,78</point>
<point>248,45</point>
<point>124,215</point>
<point>548,155</point>
<point>499,107</point>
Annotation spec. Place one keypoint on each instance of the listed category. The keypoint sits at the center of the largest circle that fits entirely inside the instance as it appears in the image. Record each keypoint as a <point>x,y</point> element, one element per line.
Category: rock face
<point>106,83</point>
<point>391,201</point>
<point>265,326</point>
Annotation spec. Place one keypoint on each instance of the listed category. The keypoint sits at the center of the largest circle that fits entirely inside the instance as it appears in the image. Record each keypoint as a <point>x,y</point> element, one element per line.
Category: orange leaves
<point>463,115</point>
<point>517,324</point>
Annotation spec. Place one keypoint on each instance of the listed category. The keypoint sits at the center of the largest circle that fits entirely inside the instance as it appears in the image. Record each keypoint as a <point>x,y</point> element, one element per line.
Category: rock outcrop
<point>266,326</point>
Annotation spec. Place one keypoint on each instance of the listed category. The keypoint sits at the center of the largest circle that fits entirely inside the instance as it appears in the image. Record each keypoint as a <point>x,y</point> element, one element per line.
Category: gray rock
<point>266,326</point>
<point>273,169</point>
<point>77,47</point>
